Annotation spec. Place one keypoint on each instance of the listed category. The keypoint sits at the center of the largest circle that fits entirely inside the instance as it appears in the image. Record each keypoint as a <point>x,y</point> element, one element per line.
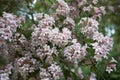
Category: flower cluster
<point>25,65</point>
<point>47,21</point>
<point>44,74</point>
<point>69,22</point>
<point>53,72</point>
<point>58,38</point>
<point>56,71</point>
<point>4,74</point>
<point>46,52</point>
<point>59,44</point>
<point>9,24</point>
<point>3,47</point>
<point>63,8</point>
<point>89,7</point>
<point>75,52</point>
<point>111,66</point>
<point>91,26</point>
<point>40,36</point>
<point>41,32</point>
<point>102,44</point>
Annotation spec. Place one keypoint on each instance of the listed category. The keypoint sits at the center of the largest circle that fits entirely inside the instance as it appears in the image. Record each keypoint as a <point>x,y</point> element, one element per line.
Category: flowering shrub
<point>59,46</point>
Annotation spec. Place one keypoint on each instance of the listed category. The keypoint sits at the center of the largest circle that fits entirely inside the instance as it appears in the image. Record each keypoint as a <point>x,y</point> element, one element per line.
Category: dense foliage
<point>58,40</point>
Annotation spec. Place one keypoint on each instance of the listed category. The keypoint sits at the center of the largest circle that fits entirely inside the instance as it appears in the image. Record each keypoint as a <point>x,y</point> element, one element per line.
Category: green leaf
<point>2,61</point>
<point>86,70</point>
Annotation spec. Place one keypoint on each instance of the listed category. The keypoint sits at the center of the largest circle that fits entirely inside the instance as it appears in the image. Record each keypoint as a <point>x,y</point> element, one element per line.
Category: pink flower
<point>81,2</point>
<point>87,8</point>
<point>69,22</point>
<point>110,68</point>
<point>63,8</point>
<point>75,52</point>
<point>91,26</point>
<point>9,24</point>
<point>94,1</point>
<point>48,21</point>
<point>56,71</point>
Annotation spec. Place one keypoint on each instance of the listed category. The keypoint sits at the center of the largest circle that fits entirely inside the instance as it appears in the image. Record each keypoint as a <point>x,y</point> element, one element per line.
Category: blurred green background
<point>109,25</point>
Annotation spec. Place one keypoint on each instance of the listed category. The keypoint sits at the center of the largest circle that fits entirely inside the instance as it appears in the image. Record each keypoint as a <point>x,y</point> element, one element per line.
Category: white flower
<point>102,8</point>
<point>113,60</point>
<point>4,76</point>
<point>93,76</point>
<point>108,69</point>
<point>80,73</point>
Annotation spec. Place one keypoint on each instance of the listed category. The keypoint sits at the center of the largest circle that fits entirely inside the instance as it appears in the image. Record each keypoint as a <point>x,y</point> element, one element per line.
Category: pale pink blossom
<point>60,38</point>
<point>81,2</point>
<point>110,68</point>
<point>40,36</point>
<point>44,74</point>
<point>56,71</point>
<point>80,73</point>
<point>75,52</point>
<point>46,52</point>
<point>102,47</point>
<point>90,26</point>
<point>4,76</point>
<point>87,8</point>
<point>70,23</point>
<point>9,23</point>
<point>63,8</point>
<point>102,8</point>
<point>48,21</point>
<point>25,65</point>
<point>93,76</point>
<point>94,1</point>
<point>99,11</point>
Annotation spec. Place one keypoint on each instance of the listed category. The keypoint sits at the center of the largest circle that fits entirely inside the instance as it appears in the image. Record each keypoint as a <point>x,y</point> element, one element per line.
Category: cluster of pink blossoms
<point>54,69</point>
<point>60,38</point>
<point>53,43</point>
<point>75,52</point>
<point>46,52</point>
<point>25,65</point>
<point>63,8</point>
<point>4,74</point>
<point>103,44</point>
<point>9,24</point>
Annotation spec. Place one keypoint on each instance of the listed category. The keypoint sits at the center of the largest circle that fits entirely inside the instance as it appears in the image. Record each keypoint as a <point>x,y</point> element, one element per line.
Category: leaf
<point>2,61</point>
<point>86,70</point>
<point>26,33</point>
